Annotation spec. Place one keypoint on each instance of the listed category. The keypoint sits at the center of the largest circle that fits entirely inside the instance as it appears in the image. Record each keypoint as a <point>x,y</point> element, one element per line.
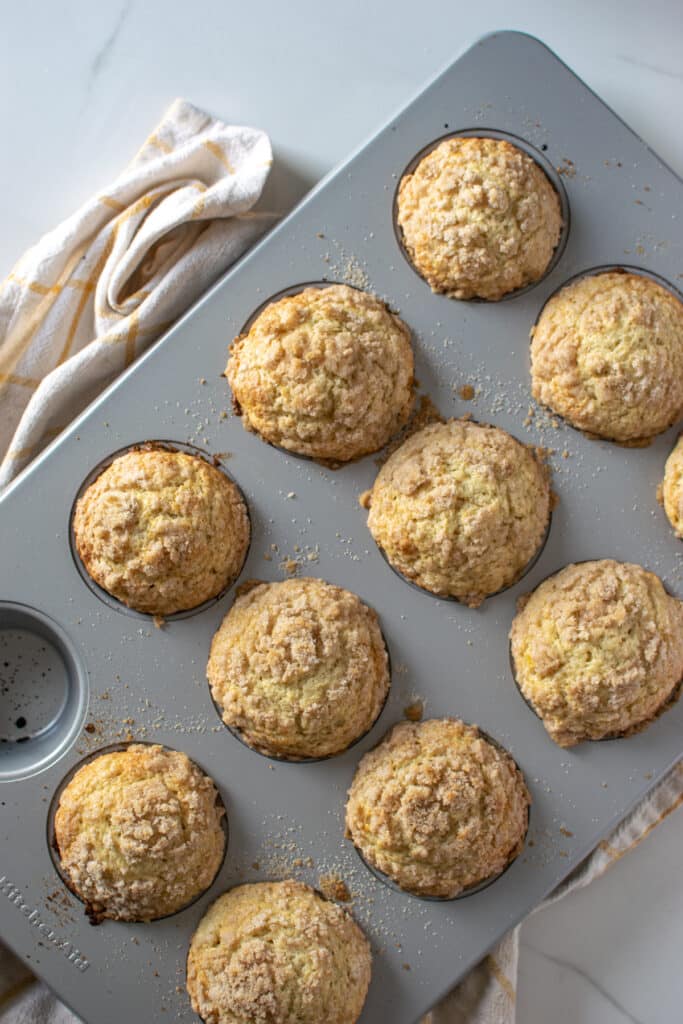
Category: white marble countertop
<point>81,84</point>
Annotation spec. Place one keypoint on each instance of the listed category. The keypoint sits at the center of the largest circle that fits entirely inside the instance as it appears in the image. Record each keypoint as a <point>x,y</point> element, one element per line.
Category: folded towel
<point>95,292</point>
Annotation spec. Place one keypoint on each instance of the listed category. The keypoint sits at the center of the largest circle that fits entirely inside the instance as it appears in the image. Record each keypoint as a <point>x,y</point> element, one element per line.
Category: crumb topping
<point>479,218</point>
<point>327,373</point>
<point>139,832</point>
<point>460,509</point>
<point>299,667</point>
<point>598,650</point>
<point>277,953</point>
<point>162,531</point>
<point>607,355</point>
<point>437,807</point>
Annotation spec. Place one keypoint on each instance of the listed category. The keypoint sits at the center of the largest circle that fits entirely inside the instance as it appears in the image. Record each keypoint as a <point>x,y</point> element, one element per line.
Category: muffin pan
<point>147,683</point>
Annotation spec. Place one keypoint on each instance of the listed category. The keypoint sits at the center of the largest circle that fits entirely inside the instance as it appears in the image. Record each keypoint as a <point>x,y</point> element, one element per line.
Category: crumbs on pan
<point>567,168</point>
<point>334,888</point>
<point>286,851</point>
<point>414,711</point>
<point>344,266</point>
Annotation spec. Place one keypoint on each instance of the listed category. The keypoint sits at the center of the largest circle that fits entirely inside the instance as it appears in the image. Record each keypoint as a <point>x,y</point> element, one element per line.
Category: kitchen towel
<point>94,293</point>
<point>91,296</point>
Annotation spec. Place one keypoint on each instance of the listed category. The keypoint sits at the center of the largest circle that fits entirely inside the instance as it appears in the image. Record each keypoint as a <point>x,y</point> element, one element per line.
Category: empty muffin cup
<point>43,691</point>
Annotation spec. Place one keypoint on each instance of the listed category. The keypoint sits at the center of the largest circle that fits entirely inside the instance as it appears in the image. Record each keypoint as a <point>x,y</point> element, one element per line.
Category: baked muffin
<point>438,808</point>
<point>479,218</point>
<point>138,833</point>
<point>670,492</point>
<point>607,355</point>
<point>461,509</point>
<point>277,953</point>
<point>327,373</point>
<point>299,668</point>
<point>162,531</point>
<point>597,650</point>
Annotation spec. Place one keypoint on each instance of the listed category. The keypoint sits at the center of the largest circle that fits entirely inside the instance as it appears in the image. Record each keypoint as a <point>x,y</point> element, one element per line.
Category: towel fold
<point>94,293</point>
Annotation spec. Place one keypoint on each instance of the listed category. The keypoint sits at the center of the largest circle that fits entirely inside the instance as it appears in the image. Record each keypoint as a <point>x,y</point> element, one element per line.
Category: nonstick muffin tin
<point>99,674</point>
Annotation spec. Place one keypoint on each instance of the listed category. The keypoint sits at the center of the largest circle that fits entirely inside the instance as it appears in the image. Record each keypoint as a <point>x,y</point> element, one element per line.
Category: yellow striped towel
<point>97,290</point>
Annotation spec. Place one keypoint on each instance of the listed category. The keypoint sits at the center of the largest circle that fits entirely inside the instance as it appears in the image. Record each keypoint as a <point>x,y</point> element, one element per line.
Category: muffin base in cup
<point>293,759</point>
<point>104,595</point>
<point>94,916</point>
<point>457,600</point>
<point>542,162</point>
<point>633,730</point>
<point>476,887</point>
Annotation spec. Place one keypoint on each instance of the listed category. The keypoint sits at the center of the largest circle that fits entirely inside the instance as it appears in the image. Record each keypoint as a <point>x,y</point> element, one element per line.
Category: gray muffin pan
<point>62,648</point>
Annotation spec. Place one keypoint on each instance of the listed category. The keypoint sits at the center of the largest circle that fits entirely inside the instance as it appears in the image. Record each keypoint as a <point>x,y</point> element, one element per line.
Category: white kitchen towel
<point>94,293</point>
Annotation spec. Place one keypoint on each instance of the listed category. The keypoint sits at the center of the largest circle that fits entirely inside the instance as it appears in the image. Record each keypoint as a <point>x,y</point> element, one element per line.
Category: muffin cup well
<point>291,759</point>
<point>104,596</point>
<point>53,846</point>
<point>44,691</point>
<point>539,159</point>
<point>470,890</point>
<point>624,733</point>
<point>235,886</point>
<point>513,583</point>
<point>608,268</point>
<point>296,289</point>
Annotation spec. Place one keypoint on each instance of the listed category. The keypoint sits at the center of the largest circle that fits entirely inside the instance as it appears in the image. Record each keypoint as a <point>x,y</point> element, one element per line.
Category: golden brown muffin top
<point>277,953</point>
<point>460,509</point>
<point>299,668</point>
<point>479,218</point>
<point>671,490</point>
<point>139,833</point>
<point>607,355</point>
<point>598,650</point>
<point>437,807</point>
<point>162,531</point>
<point>327,373</point>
